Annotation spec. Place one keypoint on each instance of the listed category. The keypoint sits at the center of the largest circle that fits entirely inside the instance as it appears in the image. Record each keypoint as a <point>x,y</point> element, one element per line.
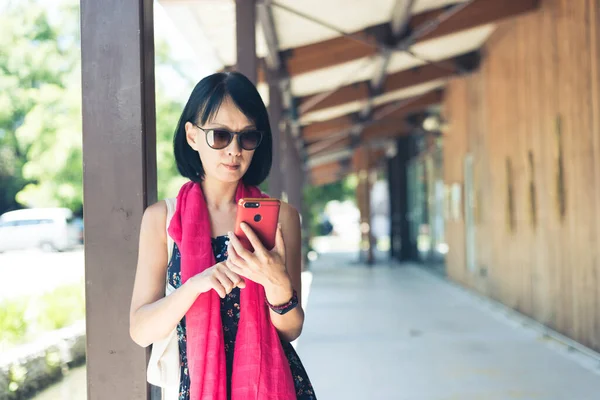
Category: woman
<point>235,312</point>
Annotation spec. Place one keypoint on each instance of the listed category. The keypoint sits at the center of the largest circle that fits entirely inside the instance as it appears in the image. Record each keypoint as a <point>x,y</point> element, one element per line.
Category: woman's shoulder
<point>288,214</point>
<point>155,218</point>
<point>157,210</point>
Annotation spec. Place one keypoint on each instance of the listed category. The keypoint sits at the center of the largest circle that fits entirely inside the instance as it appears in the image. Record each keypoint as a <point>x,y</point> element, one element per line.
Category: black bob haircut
<point>203,105</point>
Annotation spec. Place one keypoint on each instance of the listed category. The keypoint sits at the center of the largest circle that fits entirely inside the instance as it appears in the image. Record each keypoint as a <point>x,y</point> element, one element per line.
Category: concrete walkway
<point>399,332</point>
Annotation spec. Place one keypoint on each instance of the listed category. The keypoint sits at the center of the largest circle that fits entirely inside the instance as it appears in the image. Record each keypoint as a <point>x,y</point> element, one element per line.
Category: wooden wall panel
<point>593,18</point>
<point>454,149</point>
<point>531,120</point>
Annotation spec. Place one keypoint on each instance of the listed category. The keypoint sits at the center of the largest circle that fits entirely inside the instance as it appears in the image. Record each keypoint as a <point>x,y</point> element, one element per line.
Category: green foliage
<point>167,116</point>
<point>40,127</point>
<point>316,197</point>
<point>40,108</point>
<point>24,318</point>
<point>13,325</point>
<point>60,308</point>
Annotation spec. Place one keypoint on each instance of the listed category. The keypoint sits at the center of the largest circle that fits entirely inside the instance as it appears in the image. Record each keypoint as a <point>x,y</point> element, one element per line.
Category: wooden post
<point>275,114</point>
<point>293,184</point>
<point>245,15</point>
<point>363,197</point>
<point>119,157</point>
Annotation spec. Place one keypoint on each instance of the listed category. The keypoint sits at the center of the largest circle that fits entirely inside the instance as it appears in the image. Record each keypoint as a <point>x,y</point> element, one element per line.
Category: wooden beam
<point>375,156</point>
<point>397,81</point>
<point>326,170</point>
<point>383,132</point>
<point>342,125</point>
<point>314,132</point>
<point>329,173</point>
<point>340,50</point>
<point>345,94</point>
<point>329,53</point>
<point>326,180</point>
<point>478,13</point>
<point>329,157</point>
<point>402,108</point>
<point>320,148</point>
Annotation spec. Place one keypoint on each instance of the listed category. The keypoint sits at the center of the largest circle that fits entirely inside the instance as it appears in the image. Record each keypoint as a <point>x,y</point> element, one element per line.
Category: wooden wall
<point>531,120</point>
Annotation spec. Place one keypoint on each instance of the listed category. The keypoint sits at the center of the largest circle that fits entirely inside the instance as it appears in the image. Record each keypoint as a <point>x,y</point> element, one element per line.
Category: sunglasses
<point>221,138</point>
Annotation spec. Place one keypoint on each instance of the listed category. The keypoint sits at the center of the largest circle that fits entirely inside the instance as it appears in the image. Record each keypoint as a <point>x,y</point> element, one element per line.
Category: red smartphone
<point>262,215</point>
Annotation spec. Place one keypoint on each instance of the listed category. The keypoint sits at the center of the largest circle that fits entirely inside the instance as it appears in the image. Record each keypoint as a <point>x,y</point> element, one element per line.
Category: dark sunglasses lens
<point>250,140</point>
<point>218,139</point>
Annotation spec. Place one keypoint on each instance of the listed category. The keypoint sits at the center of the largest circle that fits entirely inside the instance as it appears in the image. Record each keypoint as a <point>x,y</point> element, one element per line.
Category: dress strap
<point>171,205</point>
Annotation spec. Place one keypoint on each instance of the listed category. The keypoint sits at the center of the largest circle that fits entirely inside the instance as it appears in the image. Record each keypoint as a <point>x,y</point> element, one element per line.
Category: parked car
<point>50,229</point>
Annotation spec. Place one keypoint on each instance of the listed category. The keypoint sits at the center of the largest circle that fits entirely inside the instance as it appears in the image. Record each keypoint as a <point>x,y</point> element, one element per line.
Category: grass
<point>23,319</point>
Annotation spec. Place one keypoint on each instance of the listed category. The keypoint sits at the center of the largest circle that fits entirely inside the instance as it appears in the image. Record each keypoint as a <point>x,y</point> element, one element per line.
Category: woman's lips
<point>232,167</point>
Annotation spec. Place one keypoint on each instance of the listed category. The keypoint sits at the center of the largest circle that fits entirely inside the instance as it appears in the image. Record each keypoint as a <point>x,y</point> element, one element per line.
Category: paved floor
<point>398,332</point>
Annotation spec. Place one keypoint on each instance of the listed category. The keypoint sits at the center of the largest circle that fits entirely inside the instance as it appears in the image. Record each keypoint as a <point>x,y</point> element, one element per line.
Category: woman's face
<point>228,164</point>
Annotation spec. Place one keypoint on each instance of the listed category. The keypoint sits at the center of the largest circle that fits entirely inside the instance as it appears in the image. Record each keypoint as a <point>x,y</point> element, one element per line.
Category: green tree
<point>36,59</point>
<point>317,197</point>
<point>167,116</point>
<point>40,108</point>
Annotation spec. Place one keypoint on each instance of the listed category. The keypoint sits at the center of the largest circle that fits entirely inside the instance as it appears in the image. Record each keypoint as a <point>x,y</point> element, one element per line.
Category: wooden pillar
<point>293,170</point>
<point>294,179</point>
<point>275,115</point>
<point>245,15</point>
<point>363,197</point>
<point>119,158</point>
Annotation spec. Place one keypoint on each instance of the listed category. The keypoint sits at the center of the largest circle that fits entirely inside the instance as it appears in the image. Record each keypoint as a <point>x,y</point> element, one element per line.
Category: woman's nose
<point>234,147</point>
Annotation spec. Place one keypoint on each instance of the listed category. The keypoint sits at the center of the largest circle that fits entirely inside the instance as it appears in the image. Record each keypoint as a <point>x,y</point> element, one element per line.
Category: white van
<point>50,229</point>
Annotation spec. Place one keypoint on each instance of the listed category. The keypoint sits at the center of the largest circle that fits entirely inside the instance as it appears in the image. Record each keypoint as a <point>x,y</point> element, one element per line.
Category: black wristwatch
<point>286,307</point>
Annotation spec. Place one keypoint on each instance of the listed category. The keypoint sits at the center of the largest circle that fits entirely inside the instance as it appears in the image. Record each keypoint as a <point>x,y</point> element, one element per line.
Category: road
<point>42,271</point>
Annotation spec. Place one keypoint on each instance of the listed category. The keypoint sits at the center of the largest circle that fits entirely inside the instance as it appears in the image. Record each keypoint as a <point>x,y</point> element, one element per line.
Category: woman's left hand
<point>262,266</point>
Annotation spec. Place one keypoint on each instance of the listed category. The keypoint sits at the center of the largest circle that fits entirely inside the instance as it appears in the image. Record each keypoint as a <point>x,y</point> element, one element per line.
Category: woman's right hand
<point>218,277</point>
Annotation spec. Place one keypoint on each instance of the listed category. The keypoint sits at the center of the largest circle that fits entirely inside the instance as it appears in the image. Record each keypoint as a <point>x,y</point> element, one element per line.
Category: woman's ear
<point>191,134</point>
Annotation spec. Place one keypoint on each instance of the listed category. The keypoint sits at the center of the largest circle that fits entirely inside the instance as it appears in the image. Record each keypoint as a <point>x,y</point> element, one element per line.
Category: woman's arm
<point>278,270</point>
<point>278,292</point>
<point>152,315</point>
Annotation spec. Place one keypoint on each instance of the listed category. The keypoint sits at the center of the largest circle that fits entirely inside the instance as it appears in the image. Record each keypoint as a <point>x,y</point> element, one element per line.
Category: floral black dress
<point>230,316</point>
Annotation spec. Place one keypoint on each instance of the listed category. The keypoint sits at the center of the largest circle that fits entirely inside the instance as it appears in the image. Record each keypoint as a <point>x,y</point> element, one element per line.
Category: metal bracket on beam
<point>376,90</point>
<point>345,166</point>
<point>394,35</point>
<point>468,63</point>
<point>355,141</point>
<point>383,35</point>
<point>359,119</point>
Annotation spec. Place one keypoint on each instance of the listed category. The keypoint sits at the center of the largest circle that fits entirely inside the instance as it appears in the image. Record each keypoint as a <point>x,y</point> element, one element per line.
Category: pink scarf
<point>260,368</point>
